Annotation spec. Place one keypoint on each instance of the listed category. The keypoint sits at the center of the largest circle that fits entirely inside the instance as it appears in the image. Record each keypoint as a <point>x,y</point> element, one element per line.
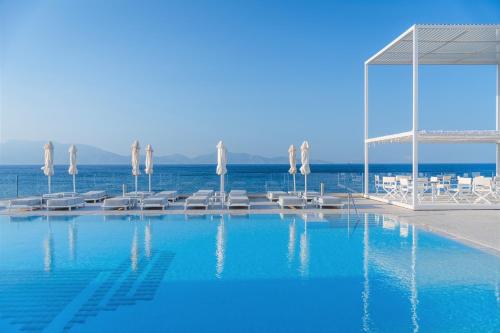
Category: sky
<point>260,75</point>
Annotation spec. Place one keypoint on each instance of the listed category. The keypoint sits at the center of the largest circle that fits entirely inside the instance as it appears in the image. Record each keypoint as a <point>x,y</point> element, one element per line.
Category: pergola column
<point>367,179</point>
<point>415,117</point>
<point>498,120</point>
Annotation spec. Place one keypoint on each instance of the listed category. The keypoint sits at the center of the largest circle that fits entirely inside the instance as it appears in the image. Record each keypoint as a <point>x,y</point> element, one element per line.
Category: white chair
<point>406,188</point>
<point>463,189</point>
<point>389,185</point>
<point>482,187</point>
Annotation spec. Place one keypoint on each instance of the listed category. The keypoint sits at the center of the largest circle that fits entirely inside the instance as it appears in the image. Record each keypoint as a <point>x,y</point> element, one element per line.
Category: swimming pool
<point>258,273</point>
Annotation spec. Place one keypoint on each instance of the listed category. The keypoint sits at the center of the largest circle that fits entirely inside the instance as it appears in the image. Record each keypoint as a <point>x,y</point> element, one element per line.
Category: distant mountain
<point>31,152</point>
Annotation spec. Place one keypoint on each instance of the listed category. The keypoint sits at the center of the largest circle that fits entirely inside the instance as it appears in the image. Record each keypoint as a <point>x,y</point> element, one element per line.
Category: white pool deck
<point>479,228</point>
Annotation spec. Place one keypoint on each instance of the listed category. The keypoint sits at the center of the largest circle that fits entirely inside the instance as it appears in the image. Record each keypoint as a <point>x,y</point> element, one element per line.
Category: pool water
<point>258,273</point>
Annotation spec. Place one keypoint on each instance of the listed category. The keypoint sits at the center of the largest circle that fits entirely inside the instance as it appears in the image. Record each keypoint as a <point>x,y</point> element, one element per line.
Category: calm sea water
<point>260,273</point>
<point>29,180</point>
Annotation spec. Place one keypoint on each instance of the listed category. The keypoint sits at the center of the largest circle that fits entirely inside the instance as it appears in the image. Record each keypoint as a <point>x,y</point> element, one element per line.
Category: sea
<point>27,180</point>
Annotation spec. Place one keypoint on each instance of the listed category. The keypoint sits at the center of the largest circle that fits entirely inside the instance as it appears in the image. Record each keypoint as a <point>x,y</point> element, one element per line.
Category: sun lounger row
<point>161,200</point>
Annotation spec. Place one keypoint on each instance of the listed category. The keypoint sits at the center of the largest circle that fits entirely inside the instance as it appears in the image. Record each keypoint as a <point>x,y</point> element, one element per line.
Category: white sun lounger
<point>238,193</point>
<point>197,201</point>
<point>65,203</point>
<point>94,196</point>
<point>27,203</point>
<point>275,195</point>
<point>155,201</point>
<point>291,201</point>
<point>238,201</point>
<point>119,202</point>
<point>310,195</point>
<point>170,195</point>
<point>328,201</point>
<point>139,194</point>
<point>207,193</point>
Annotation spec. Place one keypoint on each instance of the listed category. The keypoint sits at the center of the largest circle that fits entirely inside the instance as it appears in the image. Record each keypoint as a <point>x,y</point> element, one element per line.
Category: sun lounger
<point>291,201</point>
<point>170,195</point>
<point>310,195</point>
<point>94,196</point>
<point>155,201</point>
<point>207,193</point>
<point>119,202</point>
<point>28,203</point>
<point>275,195</point>
<point>238,201</point>
<point>328,201</point>
<point>65,203</point>
<point>238,193</point>
<point>139,194</point>
<point>197,201</point>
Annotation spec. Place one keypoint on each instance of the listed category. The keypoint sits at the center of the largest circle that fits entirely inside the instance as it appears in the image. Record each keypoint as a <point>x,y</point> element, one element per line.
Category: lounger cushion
<point>139,194</point>
<point>27,202</point>
<point>203,193</point>
<point>274,195</point>
<point>238,193</point>
<point>290,201</point>
<point>156,201</point>
<point>171,195</point>
<point>197,200</point>
<point>94,195</point>
<point>241,200</point>
<point>329,200</point>
<point>118,202</point>
<point>69,202</point>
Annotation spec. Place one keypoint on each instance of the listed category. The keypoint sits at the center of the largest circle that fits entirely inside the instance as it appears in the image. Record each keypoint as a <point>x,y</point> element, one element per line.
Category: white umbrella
<point>293,164</point>
<point>48,167</point>
<point>136,171</point>
<point>221,166</point>
<point>73,171</point>
<point>149,163</point>
<point>305,169</point>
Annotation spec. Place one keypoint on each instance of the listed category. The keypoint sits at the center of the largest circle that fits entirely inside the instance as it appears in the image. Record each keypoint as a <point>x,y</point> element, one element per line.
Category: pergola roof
<point>444,45</point>
<point>470,136</point>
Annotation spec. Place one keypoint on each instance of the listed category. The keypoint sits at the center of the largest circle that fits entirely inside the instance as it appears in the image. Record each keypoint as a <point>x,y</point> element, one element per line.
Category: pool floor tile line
<point>125,286</point>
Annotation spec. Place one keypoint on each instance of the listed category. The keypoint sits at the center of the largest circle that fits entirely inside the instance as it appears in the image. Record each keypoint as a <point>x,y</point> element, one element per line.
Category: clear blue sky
<point>258,74</point>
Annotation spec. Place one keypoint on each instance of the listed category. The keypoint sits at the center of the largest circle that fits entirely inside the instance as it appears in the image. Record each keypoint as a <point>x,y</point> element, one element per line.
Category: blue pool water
<point>259,273</point>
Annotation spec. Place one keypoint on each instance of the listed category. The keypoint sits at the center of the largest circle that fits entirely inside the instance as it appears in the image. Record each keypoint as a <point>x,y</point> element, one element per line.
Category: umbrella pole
<point>135,184</point>
<point>305,186</point>
<point>149,182</point>
<point>294,187</point>
<point>74,183</point>
<point>49,185</point>
<point>222,190</point>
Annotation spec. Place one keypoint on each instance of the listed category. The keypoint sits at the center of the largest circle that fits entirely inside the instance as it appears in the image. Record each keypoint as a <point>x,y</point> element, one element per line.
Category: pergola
<point>437,45</point>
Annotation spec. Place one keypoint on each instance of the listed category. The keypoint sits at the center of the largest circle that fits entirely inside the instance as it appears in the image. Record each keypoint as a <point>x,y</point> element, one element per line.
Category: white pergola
<point>437,45</point>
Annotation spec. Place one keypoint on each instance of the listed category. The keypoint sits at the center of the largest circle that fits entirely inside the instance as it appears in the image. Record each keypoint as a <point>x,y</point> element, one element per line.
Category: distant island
<point>16,152</point>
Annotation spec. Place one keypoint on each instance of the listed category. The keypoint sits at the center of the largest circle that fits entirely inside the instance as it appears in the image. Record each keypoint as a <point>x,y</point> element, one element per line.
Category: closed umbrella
<point>221,166</point>
<point>149,163</point>
<point>136,171</point>
<point>293,165</point>
<point>305,169</point>
<point>73,171</point>
<point>48,167</point>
